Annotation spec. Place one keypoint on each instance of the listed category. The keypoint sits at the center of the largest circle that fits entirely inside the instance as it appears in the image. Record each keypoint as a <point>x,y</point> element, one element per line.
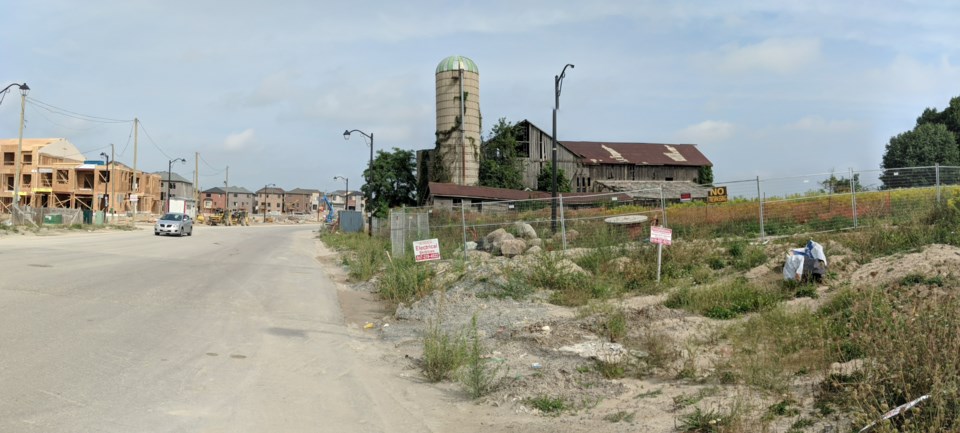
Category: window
<point>27,180</point>
<point>8,158</point>
<point>27,158</point>
<point>208,195</point>
<point>46,180</point>
<point>63,176</point>
<point>8,182</point>
<point>234,195</point>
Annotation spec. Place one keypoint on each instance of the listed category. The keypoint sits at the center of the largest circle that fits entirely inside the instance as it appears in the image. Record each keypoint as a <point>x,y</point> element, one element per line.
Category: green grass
<point>726,300</point>
<point>405,280</point>
<point>479,376</point>
<point>363,255</point>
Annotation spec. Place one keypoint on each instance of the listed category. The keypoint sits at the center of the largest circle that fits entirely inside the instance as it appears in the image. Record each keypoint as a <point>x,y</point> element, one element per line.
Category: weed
<point>479,377</point>
<point>700,421</point>
<point>649,394</point>
<point>515,287</point>
<point>782,408</point>
<point>611,370</point>
<point>621,416</point>
<point>548,405</point>
<point>443,353</point>
<point>723,301</point>
<point>405,280</point>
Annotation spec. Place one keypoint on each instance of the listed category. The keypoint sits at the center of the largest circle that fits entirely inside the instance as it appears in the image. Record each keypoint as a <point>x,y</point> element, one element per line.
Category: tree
<point>840,185</point>
<point>545,179</point>
<point>705,175</point>
<point>950,117</point>
<point>392,182</point>
<point>500,165</point>
<point>926,145</point>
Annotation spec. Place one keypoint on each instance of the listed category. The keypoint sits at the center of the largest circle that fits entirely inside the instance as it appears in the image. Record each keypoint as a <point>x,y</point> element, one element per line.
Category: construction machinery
<point>215,218</point>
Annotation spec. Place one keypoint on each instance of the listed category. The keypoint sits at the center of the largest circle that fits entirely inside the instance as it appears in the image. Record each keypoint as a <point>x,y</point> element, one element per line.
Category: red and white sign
<point>660,235</point>
<point>685,197</point>
<point>426,250</point>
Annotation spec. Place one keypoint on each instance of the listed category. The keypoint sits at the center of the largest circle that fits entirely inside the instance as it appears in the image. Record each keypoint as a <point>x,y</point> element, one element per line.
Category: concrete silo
<point>458,122</point>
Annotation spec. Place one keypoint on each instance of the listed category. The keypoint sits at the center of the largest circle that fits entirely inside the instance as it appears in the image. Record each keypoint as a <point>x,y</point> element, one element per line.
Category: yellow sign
<point>43,190</point>
<point>717,195</point>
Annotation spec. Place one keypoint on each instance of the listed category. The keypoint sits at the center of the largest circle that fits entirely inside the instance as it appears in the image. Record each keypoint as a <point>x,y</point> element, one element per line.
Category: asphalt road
<point>234,329</point>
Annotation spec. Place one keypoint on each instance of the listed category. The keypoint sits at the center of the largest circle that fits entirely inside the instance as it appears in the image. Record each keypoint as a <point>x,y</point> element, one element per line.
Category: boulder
<point>471,246</point>
<point>603,351</point>
<point>512,247</point>
<point>525,230</point>
<point>535,242</point>
<point>492,241</point>
<point>534,250</point>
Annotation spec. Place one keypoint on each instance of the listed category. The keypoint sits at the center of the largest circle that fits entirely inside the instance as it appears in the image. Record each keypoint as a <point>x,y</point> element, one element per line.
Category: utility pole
<point>196,179</point>
<point>113,184</point>
<point>136,189</point>
<point>226,198</point>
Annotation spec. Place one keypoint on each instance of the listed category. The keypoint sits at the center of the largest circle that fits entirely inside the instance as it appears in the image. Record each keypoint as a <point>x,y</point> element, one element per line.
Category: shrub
<point>443,353</point>
<point>404,280</point>
<point>478,377</point>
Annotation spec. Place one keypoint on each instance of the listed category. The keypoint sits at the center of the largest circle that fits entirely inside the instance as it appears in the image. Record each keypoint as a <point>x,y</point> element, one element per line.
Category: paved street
<point>235,329</point>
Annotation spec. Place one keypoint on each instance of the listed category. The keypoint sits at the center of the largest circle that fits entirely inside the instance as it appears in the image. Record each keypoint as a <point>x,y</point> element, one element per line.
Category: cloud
<point>818,124</point>
<point>240,141</point>
<point>782,56</point>
<point>708,131</point>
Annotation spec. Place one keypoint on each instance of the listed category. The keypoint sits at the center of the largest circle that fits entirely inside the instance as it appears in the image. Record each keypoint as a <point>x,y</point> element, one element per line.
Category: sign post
<point>660,236</point>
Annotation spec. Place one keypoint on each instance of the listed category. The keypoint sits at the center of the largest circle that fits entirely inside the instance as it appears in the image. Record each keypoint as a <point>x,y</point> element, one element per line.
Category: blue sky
<point>764,88</point>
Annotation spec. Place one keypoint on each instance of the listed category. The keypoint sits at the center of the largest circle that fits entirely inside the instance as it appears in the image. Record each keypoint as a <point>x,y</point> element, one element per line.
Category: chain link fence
<point>754,208</point>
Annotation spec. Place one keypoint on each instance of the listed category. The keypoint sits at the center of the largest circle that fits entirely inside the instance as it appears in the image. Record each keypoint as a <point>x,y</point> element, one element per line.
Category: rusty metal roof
<point>488,193</point>
<point>597,153</point>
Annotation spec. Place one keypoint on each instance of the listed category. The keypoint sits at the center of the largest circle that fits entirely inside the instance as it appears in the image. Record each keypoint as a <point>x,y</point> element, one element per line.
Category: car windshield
<point>172,217</point>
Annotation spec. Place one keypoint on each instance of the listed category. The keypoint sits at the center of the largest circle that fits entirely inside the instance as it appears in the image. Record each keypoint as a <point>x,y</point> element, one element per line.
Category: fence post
<point>563,224</point>
<point>663,207</point>
<point>853,199</point>
<point>763,234</point>
<point>937,167</point>
<point>463,223</point>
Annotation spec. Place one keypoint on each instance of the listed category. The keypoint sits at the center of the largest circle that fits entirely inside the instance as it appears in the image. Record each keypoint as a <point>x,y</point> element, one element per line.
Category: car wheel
<point>190,233</point>
<point>156,233</point>
<point>181,232</point>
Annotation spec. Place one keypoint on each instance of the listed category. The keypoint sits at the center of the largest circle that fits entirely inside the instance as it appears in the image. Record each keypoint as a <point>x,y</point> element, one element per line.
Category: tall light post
<point>264,210</point>
<point>557,86</point>
<point>106,164</point>
<point>346,136</point>
<point>24,89</point>
<point>346,201</point>
<point>169,171</point>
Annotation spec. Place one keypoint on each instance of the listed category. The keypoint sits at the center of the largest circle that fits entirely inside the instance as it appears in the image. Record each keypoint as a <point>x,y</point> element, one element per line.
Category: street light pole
<point>346,136</point>
<point>557,86</point>
<point>264,210</point>
<point>346,201</point>
<point>24,89</point>
<point>169,170</point>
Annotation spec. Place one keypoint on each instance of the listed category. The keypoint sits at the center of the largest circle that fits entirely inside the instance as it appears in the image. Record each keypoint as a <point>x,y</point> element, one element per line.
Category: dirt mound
<point>932,261</point>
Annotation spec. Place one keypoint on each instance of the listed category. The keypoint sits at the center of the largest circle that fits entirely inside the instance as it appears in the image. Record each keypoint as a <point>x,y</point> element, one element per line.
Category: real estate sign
<point>426,250</point>
<point>660,235</point>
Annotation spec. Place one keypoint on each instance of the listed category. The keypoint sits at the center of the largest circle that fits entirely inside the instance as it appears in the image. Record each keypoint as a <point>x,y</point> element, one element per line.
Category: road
<point>233,329</point>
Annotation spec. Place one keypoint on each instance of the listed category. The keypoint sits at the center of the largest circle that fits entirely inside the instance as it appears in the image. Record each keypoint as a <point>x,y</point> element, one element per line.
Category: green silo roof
<point>455,63</point>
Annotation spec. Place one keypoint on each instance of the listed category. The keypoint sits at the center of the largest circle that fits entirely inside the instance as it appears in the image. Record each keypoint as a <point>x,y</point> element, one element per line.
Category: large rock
<point>525,230</point>
<point>599,350</point>
<point>534,250</point>
<point>535,242</point>
<point>494,240</point>
<point>512,247</point>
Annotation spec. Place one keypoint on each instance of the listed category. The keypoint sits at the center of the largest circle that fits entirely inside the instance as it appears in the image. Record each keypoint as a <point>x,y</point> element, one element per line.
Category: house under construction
<point>55,174</point>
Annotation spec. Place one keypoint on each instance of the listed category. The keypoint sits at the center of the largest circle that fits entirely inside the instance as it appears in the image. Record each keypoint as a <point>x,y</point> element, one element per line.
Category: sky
<point>764,88</point>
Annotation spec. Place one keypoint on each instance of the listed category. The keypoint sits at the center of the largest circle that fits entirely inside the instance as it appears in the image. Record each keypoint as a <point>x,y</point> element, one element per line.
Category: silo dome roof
<point>456,63</point>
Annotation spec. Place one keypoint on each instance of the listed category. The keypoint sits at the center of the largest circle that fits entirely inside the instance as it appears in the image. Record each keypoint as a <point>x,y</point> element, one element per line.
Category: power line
<point>64,112</point>
<point>153,142</point>
<point>129,136</point>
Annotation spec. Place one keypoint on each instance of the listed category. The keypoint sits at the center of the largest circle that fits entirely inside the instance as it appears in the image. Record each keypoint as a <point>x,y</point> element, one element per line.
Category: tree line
<point>935,139</point>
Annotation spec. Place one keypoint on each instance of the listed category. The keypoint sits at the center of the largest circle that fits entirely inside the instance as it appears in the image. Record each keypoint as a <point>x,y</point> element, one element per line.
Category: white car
<point>174,223</point>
